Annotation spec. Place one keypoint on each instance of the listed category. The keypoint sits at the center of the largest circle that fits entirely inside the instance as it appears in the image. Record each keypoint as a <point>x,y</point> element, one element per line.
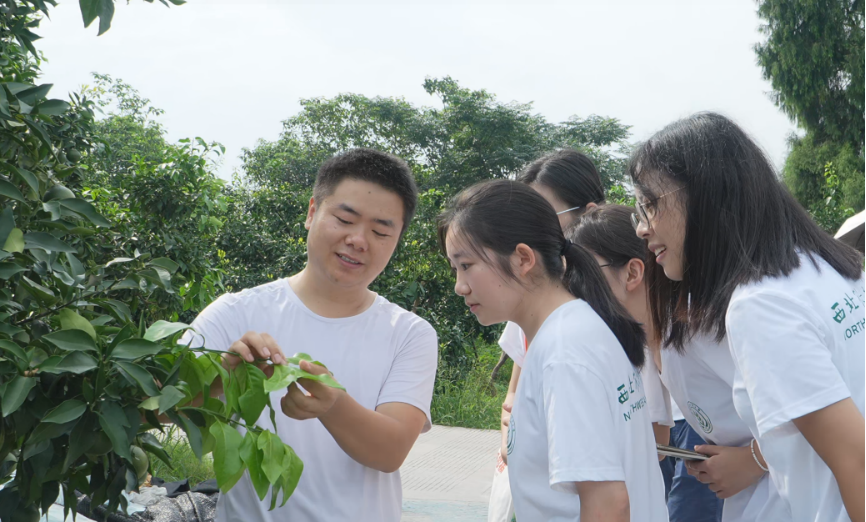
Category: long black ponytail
<point>499,215</point>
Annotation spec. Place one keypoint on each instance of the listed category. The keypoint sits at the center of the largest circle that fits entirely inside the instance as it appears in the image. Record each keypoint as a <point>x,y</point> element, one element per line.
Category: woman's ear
<point>634,274</point>
<point>523,259</point>
<point>591,205</point>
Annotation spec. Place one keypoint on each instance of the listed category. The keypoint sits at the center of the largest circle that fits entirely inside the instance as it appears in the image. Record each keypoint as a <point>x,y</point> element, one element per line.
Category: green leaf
<point>169,398</point>
<point>117,260</point>
<point>150,404</point>
<point>70,320</point>
<point>152,445</point>
<point>85,209</point>
<point>252,458</point>
<point>40,292</point>
<point>165,263</point>
<point>23,174</point>
<point>284,375</point>
<point>293,467</point>
<point>34,94</point>
<point>135,349</point>
<point>14,349</point>
<point>4,102</point>
<point>140,376</point>
<point>162,329</point>
<point>48,431</point>
<point>67,411</point>
<point>193,433</point>
<point>121,311</point>
<point>89,10</point>
<point>45,241</point>
<point>15,241</point>
<point>11,191</point>
<point>254,399</point>
<point>52,107</point>
<point>113,421</point>
<point>75,362</point>
<point>81,439</point>
<point>227,463</point>
<point>8,270</point>
<point>106,13</point>
<point>15,393</point>
<point>73,340</point>
<point>273,450</point>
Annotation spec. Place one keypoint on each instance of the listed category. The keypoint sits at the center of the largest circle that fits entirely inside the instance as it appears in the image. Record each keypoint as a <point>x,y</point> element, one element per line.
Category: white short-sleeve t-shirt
<point>384,354</point>
<point>798,346</point>
<point>513,343</point>
<point>580,415</point>
<point>657,396</point>
<point>700,381</point>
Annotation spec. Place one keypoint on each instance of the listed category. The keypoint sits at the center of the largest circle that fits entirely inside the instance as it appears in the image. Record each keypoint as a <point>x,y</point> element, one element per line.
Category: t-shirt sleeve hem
<point>803,407</point>
<point>568,476</point>
<point>428,423</point>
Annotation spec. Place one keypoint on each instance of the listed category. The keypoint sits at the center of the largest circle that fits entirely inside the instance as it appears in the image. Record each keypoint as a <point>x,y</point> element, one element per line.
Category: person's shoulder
<point>806,283</point>
<point>402,319</point>
<point>273,291</point>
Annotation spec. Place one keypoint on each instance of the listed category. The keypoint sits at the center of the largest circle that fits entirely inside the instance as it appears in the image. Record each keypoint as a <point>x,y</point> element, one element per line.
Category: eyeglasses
<point>644,214</point>
<point>568,210</point>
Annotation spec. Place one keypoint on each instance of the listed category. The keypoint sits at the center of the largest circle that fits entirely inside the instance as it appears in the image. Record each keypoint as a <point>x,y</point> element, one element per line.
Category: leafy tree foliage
<point>472,137</point>
<point>814,57</point>
<point>81,378</point>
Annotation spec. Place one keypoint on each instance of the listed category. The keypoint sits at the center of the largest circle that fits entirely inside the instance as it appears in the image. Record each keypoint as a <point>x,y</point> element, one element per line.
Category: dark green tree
<point>813,58</point>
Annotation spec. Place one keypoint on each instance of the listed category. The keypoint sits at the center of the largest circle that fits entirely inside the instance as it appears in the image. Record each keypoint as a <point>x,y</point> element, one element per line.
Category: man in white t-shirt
<point>352,442</point>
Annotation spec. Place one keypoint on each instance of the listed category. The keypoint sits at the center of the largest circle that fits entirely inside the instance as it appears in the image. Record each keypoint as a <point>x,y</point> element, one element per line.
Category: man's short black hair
<point>373,166</point>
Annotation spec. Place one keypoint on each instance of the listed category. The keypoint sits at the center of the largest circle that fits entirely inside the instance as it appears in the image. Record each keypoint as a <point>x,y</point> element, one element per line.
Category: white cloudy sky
<point>232,70</point>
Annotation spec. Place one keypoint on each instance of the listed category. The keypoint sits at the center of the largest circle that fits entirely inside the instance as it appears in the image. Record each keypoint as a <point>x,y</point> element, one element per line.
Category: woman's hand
<point>506,418</point>
<point>728,470</point>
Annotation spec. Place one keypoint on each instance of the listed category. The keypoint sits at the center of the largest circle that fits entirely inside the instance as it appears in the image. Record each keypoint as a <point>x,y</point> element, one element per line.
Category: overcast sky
<point>231,71</point>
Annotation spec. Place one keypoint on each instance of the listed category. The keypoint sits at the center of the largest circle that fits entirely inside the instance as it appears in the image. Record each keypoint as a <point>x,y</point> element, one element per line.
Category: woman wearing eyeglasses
<point>756,301</point>
<point>569,181</point>
<point>607,233</point>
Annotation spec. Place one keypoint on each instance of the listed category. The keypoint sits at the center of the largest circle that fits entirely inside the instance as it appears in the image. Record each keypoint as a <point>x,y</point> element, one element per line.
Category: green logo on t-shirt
<point>703,419</point>
<point>510,443</point>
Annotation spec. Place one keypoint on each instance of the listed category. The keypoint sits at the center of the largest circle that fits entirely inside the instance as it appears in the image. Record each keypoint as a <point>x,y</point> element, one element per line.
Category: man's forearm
<point>369,437</point>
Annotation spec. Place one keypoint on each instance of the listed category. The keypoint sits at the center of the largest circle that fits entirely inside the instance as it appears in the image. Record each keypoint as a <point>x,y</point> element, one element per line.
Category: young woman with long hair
<point>607,233</point>
<point>749,287</point>
<point>569,181</point>
<point>580,441</point>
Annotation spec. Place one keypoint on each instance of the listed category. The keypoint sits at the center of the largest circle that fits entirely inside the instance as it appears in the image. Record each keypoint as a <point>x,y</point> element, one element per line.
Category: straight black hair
<point>742,224</point>
<point>607,232</point>
<point>569,174</point>
<point>385,170</point>
<point>499,215</point>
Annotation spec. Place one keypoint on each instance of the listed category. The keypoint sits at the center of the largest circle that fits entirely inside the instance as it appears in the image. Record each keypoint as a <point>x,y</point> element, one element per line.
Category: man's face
<point>353,232</point>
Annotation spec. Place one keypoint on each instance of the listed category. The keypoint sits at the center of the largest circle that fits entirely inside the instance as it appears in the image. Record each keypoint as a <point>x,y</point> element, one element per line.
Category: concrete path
<point>447,475</point>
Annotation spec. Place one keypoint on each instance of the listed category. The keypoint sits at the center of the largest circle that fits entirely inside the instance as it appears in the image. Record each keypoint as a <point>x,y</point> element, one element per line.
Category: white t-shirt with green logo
<point>700,381</point>
<point>798,346</point>
<point>580,415</point>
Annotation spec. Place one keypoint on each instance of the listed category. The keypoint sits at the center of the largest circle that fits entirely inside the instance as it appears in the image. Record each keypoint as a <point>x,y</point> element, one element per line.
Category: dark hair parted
<point>499,215</point>
<point>373,166</point>
<point>569,174</point>
<point>742,224</point>
<point>607,231</point>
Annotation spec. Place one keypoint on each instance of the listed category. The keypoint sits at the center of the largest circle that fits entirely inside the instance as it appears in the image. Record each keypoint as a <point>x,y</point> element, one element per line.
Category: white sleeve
<point>581,437</point>
<point>657,397</point>
<point>216,327</point>
<point>410,380</point>
<point>513,343</point>
<point>779,348</point>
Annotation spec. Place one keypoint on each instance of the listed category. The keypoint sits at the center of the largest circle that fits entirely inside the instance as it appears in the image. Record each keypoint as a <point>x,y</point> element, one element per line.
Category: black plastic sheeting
<point>183,504</point>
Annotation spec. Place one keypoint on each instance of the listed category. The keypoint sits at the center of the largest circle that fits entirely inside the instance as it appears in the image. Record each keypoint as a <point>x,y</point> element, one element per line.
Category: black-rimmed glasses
<point>644,214</point>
